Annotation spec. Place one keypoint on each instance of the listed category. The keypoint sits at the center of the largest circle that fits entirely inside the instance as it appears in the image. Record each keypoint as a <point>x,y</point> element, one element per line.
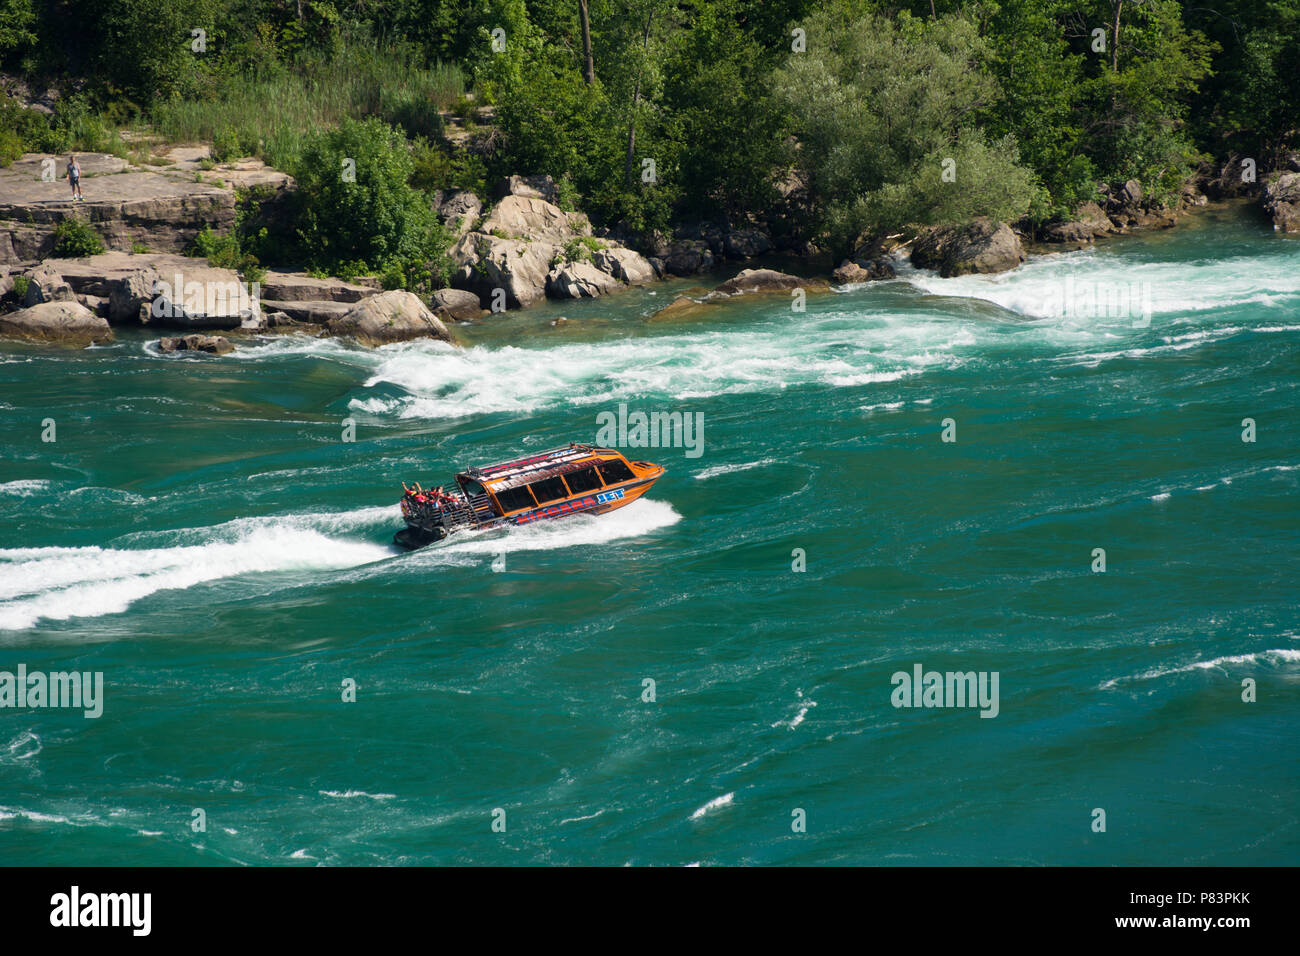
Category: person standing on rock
<point>74,179</point>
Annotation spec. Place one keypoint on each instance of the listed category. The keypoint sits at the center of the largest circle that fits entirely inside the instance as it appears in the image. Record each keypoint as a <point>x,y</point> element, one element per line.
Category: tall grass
<point>267,115</point>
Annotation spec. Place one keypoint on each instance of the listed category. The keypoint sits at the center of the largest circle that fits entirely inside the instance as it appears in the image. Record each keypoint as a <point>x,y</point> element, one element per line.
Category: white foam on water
<point>352,794</point>
<point>715,804</point>
<point>24,488</point>
<point>36,816</point>
<point>590,816</point>
<point>62,583</point>
<point>24,746</point>
<point>1272,657</point>
<point>848,342</point>
<point>1225,480</point>
<point>731,469</point>
<point>797,719</point>
<point>281,346</point>
<point>842,348</point>
<point>1040,287</point>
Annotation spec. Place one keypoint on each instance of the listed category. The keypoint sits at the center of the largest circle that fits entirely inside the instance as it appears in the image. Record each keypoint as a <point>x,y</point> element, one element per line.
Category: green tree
<point>354,206</point>
<point>1251,102</point>
<point>1134,103</point>
<point>17,19</point>
<point>1039,76</point>
<point>732,130</point>
<point>879,105</point>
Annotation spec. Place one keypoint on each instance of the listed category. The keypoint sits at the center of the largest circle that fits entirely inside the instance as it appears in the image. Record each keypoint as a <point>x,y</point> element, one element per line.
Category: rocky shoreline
<point>519,250</point>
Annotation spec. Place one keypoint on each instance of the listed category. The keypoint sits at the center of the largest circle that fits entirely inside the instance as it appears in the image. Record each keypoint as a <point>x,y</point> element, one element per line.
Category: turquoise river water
<point>200,533</point>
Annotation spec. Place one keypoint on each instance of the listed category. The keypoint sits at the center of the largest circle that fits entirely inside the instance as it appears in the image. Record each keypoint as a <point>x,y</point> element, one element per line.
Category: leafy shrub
<point>434,168</point>
<point>378,219</point>
<point>228,145</point>
<point>225,252</point>
<point>577,249</point>
<point>74,239</point>
<point>31,128</point>
<point>11,147</point>
<point>20,286</point>
<point>75,127</point>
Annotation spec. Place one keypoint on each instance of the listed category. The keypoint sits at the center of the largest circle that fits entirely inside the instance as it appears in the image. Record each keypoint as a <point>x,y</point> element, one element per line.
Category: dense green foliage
<point>882,107</point>
<point>74,239</point>
<point>226,252</point>
<point>355,211</point>
<point>833,117</point>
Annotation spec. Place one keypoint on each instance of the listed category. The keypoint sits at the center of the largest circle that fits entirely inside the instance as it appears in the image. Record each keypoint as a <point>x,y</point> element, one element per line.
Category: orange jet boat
<point>576,479</point>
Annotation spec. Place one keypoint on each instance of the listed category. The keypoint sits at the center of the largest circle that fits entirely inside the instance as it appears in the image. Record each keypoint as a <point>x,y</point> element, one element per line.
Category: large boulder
<point>624,264</point>
<point>682,307</point>
<point>300,287</point>
<point>1089,222</point>
<point>686,257</point>
<point>307,312</point>
<point>395,316</point>
<point>46,284</point>
<point>457,305</point>
<point>514,249</point>
<point>579,280</point>
<point>212,344</point>
<point>529,187</point>
<point>130,296</point>
<point>863,270</point>
<point>768,280</point>
<point>747,243</point>
<point>197,296</point>
<point>459,209</point>
<point>518,268</point>
<point>982,246</point>
<point>1281,201</point>
<point>65,322</point>
<point>534,220</point>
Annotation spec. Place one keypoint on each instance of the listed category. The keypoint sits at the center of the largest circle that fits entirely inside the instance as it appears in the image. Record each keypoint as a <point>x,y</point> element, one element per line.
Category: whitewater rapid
<point>881,333</point>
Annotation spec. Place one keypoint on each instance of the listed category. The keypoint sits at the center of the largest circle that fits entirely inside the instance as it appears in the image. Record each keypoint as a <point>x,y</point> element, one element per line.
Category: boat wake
<point>58,584</point>
<point>469,548</point>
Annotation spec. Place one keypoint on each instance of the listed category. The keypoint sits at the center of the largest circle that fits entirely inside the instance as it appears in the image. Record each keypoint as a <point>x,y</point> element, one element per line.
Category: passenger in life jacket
<point>416,494</point>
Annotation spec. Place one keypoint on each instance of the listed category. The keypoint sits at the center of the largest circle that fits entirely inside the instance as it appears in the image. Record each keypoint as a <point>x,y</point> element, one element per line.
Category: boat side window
<point>512,499</point>
<point>614,471</point>
<point>549,489</point>
<point>584,479</point>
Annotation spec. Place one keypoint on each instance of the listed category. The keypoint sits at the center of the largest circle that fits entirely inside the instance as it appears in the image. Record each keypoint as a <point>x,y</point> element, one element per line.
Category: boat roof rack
<point>534,464</point>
